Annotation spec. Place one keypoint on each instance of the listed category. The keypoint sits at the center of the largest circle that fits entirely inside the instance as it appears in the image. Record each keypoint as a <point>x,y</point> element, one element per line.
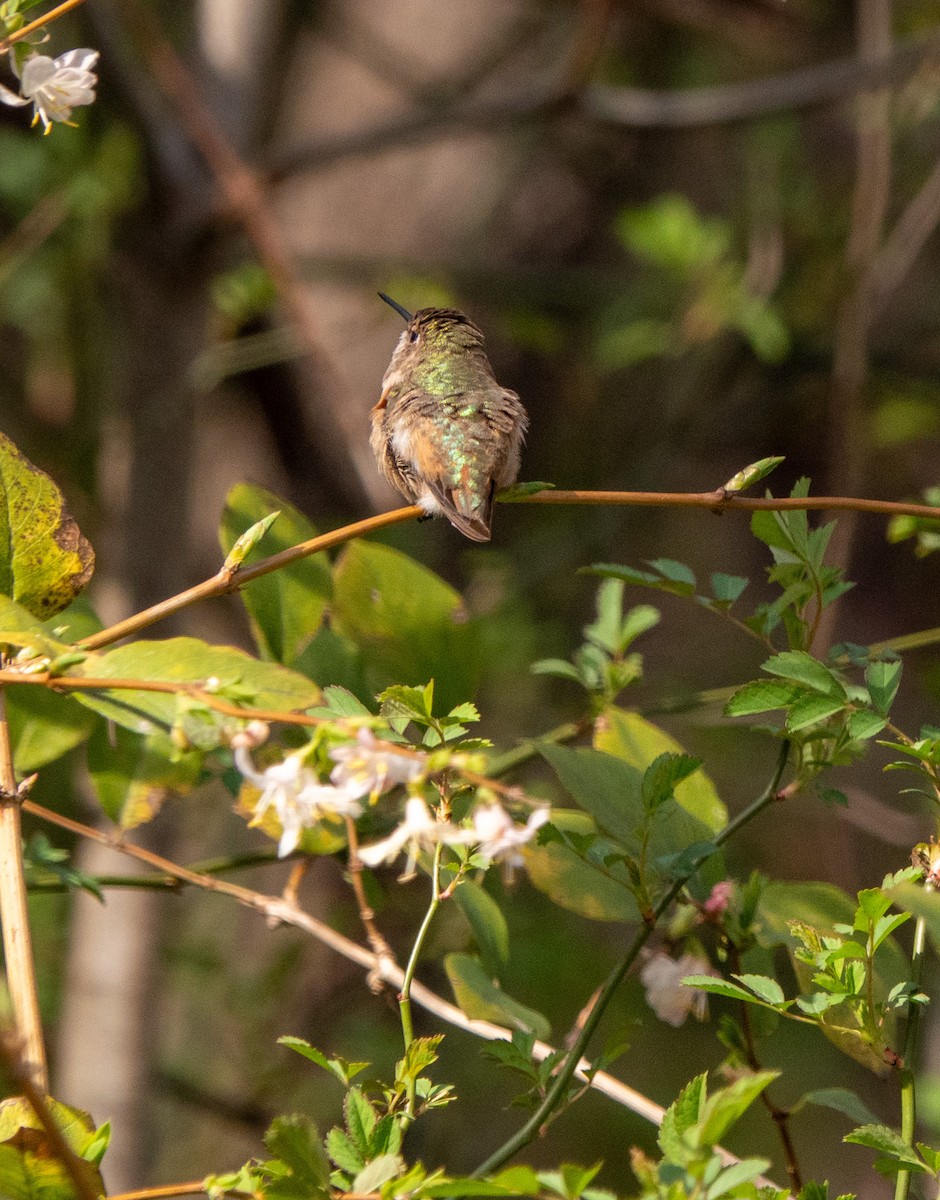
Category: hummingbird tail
<point>465,511</point>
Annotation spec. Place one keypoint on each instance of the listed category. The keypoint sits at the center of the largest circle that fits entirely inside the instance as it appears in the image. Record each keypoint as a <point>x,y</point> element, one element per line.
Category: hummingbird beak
<point>402,312</point>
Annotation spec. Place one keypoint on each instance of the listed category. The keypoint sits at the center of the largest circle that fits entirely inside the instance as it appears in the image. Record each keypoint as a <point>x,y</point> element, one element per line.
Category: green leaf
<point>718,987</point>
<point>340,1067</point>
<point>409,624</point>
<point>486,919</point>
<point>186,660</point>
<point>675,572</point>
<point>133,774</point>
<point>286,606</point>
<point>360,1120</point>
<point>889,1144</point>
<point>411,703</point>
<point>29,1166</point>
<point>663,775</point>
<point>44,725</point>
<point>843,1101</point>
<point>630,737</point>
<point>735,1175</point>
<point>574,884</point>
<point>863,724</point>
<point>380,1170</point>
<point>482,999</point>
<point>556,666</point>
<point>883,679</point>
<point>800,667</point>
<point>682,1115</point>
<point>606,787</point>
<point>811,709</point>
<point>752,474</point>
<point>44,559</point>
<point>727,588</point>
<point>341,1150</point>
<point>729,1104</point>
<point>763,695</point>
<point>296,1142</point>
<point>766,988</point>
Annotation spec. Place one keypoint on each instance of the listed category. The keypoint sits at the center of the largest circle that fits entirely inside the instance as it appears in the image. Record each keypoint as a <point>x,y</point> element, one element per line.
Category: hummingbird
<point>444,432</point>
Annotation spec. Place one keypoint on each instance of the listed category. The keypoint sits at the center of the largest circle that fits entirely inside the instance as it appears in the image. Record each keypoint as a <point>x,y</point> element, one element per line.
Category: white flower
<point>666,994</point>
<point>418,830</point>
<point>54,86</point>
<point>298,798</point>
<point>365,770</point>
<point>499,837</point>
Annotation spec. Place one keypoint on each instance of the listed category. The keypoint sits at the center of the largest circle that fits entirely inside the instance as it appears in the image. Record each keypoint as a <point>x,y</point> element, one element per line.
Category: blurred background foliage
<point>674,289</point>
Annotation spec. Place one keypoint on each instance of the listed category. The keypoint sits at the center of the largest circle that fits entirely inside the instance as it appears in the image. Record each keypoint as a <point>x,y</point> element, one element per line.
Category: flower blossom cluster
<point>299,800</point>
<point>365,768</point>
<point>54,86</point>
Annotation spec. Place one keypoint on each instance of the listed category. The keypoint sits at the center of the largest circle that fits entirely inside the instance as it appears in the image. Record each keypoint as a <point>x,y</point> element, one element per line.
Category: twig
<point>634,108</point>
<point>22,1074</point>
<point>904,243</point>
<point>380,947</point>
<point>59,11</point>
<point>14,916</point>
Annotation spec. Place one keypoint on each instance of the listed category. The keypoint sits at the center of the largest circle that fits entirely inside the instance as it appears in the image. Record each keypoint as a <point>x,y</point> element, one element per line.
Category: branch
<point>635,108</point>
<point>18,958</point>
<point>227,581</point>
<point>59,11</point>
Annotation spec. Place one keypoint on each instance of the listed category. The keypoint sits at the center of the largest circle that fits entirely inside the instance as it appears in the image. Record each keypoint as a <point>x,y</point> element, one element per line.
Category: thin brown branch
<point>59,11</point>
<point>23,1076</point>
<point>226,581</point>
<point>634,108</point>
<point>904,243</point>
<point>14,916</point>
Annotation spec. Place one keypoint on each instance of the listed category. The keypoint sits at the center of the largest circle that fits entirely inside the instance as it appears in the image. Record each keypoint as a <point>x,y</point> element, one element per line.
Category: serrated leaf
<point>574,884</point>
<point>286,606</point>
<point>480,998</point>
<point>863,724</point>
<point>800,667</point>
<point>676,573</point>
<point>45,561</point>
<point>811,709</point>
<point>360,1119</point>
<point>341,1150</point>
<point>343,1070</point>
<point>727,588</point>
<point>887,1142</point>
<point>763,986</point>
<point>727,1106</point>
<point>296,1142</point>
<point>882,679</point>
<point>718,987</point>
<point>763,695</point>
<point>413,703</point>
<point>682,1115</point>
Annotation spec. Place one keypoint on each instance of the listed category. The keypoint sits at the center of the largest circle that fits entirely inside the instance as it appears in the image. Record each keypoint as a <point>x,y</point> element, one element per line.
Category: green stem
<point>908,1108</point>
<point>559,1086</point>
<point>404,996</point>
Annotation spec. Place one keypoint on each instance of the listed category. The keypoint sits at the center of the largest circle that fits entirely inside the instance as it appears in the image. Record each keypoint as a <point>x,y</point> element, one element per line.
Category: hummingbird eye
<point>414,335</point>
